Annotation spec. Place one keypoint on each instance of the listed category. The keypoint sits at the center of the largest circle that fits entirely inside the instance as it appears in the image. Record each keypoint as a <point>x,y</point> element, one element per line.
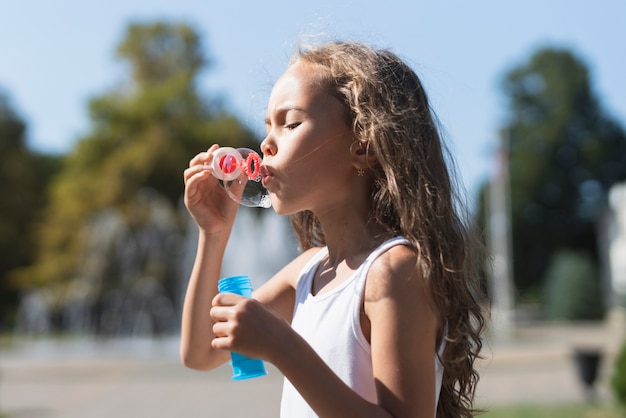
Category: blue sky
<point>55,56</point>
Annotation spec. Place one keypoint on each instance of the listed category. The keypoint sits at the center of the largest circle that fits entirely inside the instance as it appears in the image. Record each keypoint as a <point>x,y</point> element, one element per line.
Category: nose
<point>268,146</point>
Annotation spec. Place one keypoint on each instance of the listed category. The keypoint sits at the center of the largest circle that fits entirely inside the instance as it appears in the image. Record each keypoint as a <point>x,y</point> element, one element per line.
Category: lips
<point>266,175</point>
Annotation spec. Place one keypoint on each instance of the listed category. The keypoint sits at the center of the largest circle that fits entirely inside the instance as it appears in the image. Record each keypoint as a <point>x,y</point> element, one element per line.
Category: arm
<point>196,328</point>
<point>214,213</point>
<point>402,333</point>
<point>404,329</point>
<point>275,304</point>
<point>256,326</point>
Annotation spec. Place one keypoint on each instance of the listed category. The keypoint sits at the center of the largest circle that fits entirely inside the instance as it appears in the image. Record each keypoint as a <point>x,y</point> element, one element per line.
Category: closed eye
<point>293,125</point>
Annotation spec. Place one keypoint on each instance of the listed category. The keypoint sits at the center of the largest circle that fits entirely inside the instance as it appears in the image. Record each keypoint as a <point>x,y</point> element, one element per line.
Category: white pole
<point>499,233</point>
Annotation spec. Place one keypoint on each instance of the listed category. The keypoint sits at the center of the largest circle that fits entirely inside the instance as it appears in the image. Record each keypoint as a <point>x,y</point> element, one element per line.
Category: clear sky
<point>56,55</point>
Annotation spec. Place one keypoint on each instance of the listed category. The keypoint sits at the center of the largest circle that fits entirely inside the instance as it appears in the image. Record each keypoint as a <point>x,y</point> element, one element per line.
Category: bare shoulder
<point>402,329</point>
<point>397,286</point>
<point>396,290</point>
<point>393,273</point>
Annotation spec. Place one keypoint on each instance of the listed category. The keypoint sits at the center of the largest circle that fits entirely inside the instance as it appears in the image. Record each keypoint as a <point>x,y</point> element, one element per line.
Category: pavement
<point>132,377</point>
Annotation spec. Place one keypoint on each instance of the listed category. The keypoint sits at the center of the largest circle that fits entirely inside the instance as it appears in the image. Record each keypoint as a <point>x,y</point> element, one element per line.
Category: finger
<point>204,157</point>
<point>220,314</point>
<point>202,170</point>
<point>221,329</point>
<point>221,343</point>
<point>193,170</point>
<point>200,159</point>
<point>226,299</point>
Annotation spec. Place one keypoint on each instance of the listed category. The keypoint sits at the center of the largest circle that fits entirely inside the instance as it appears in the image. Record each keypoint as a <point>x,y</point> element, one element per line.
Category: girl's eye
<point>293,125</point>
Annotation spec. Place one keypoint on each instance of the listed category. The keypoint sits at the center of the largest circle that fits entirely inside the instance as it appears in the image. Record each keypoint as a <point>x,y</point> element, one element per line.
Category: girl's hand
<point>207,202</point>
<point>246,326</point>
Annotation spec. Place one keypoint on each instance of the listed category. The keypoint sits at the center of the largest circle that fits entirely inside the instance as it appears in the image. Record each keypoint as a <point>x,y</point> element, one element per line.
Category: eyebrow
<point>285,109</point>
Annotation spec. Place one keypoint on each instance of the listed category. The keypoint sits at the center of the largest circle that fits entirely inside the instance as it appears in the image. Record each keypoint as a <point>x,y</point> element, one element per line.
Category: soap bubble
<point>239,172</point>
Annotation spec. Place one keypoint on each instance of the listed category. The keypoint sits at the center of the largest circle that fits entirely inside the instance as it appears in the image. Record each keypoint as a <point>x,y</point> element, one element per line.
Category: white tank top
<point>330,323</point>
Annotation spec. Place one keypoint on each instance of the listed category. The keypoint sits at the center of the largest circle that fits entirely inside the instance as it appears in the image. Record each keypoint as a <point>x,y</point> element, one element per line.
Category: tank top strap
<point>376,253</point>
<point>361,274</point>
<point>311,265</point>
<point>359,287</point>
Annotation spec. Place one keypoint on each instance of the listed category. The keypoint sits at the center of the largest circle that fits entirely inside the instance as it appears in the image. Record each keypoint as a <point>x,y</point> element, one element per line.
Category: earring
<point>360,172</point>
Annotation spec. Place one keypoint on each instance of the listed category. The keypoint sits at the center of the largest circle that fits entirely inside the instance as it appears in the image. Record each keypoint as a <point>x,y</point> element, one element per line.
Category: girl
<point>378,316</point>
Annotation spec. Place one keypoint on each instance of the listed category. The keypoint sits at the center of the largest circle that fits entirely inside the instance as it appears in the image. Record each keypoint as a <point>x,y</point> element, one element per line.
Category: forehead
<point>301,81</point>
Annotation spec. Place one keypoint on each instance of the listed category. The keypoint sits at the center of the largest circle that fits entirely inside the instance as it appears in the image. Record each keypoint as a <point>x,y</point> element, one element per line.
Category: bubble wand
<point>239,171</point>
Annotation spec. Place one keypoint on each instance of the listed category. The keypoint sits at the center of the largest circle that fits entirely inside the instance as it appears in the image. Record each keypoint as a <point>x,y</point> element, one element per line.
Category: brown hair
<point>413,195</point>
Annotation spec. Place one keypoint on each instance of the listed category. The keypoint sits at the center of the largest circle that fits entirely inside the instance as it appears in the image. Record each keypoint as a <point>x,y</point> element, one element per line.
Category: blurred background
<point>103,105</point>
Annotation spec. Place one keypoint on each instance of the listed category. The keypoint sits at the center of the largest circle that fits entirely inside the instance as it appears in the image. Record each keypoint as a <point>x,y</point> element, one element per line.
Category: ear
<point>362,157</point>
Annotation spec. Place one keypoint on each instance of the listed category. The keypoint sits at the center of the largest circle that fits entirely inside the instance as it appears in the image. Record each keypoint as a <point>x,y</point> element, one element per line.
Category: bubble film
<point>240,173</point>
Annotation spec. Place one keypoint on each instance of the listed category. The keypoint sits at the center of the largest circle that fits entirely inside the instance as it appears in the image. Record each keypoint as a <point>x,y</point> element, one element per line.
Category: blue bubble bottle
<point>243,367</point>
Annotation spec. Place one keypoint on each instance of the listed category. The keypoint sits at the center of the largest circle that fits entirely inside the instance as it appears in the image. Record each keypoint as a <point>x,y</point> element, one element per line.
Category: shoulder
<point>396,278</point>
<point>402,328</point>
<point>393,269</point>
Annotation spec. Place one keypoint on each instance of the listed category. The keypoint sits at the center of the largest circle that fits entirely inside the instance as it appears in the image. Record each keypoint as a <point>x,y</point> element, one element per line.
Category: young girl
<point>378,316</point>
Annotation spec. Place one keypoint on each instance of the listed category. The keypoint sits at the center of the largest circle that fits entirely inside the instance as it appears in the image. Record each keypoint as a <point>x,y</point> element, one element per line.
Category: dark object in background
<point>588,361</point>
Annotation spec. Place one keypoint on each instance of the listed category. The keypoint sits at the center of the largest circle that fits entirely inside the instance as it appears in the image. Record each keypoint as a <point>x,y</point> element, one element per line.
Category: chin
<point>281,208</point>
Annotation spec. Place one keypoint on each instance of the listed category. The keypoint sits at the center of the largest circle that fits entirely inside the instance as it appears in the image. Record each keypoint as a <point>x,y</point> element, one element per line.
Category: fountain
<point>135,267</point>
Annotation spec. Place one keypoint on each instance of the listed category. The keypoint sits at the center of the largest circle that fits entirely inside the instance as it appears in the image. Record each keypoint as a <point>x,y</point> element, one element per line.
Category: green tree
<point>23,176</point>
<point>618,380</point>
<point>143,134</point>
<point>565,152</point>
<point>572,288</point>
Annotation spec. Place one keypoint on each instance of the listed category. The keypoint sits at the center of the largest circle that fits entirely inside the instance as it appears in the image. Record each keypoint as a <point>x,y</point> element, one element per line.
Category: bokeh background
<point>102,105</point>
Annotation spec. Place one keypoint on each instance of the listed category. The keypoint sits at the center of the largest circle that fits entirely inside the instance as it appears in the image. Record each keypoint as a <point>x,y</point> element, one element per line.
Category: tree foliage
<point>618,380</point>
<point>143,134</point>
<point>23,176</point>
<point>565,153</point>
<point>160,52</point>
<point>572,288</point>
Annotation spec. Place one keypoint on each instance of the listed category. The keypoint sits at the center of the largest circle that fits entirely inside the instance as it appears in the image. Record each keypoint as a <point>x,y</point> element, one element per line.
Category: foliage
<point>143,134</point>
<point>618,381</point>
<point>565,153</point>
<point>572,288</point>
<point>23,176</point>
<point>161,51</point>
<point>554,411</point>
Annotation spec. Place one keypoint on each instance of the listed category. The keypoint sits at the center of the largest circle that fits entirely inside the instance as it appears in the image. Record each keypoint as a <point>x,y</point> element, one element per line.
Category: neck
<point>350,237</point>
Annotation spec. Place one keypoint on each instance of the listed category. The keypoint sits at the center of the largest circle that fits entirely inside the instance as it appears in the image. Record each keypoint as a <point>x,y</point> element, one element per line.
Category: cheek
<point>318,166</point>
<point>331,173</point>
<point>314,155</point>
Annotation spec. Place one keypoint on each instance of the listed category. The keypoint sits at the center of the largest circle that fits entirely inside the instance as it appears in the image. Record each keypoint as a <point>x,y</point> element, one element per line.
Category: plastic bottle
<point>243,367</point>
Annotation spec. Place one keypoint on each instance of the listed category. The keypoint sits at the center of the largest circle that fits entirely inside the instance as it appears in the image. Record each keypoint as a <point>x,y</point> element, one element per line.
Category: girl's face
<point>307,161</point>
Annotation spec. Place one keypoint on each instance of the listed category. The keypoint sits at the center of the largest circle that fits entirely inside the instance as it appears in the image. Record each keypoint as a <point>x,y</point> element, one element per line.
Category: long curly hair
<point>413,194</point>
